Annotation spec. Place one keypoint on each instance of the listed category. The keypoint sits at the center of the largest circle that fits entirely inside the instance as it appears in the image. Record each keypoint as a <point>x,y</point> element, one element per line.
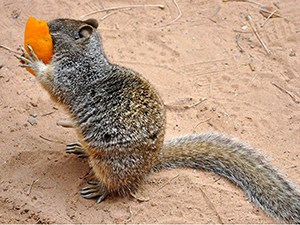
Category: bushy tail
<point>240,164</point>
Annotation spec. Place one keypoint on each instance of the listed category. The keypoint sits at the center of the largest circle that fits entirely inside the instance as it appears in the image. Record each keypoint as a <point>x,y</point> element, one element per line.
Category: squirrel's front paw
<point>31,60</point>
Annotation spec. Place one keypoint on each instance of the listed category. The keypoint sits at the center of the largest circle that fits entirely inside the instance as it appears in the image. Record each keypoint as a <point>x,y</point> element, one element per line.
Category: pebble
<point>292,53</point>
<point>32,120</point>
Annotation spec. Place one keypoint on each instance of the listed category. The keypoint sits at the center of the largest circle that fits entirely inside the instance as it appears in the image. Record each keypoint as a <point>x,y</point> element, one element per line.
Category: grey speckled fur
<point>239,163</point>
<point>121,120</point>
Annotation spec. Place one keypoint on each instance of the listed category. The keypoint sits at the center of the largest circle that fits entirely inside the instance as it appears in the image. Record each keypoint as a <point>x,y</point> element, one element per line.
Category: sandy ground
<point>209,52</point>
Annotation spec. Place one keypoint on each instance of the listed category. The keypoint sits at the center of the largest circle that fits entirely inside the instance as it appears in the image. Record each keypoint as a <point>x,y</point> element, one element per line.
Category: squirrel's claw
<point>77,149</point>
<point>24,52</point>
<point>22,58</point>
<point>101,198</point>
<point>27,59</point>
<point>30,60</point>
<point>32,53</point>
<point>94,189</point>
<point>32,56</point>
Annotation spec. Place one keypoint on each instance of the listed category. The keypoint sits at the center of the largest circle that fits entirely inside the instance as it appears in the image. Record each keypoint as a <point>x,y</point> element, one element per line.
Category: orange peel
<point>37,35</point>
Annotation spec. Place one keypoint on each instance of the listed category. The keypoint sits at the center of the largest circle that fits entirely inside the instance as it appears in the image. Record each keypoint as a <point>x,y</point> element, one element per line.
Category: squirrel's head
<point>78,54</point>
<point>72,38</point>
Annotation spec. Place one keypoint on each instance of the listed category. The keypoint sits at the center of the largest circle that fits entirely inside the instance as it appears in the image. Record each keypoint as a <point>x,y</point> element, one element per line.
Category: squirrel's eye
<point>85,31</point>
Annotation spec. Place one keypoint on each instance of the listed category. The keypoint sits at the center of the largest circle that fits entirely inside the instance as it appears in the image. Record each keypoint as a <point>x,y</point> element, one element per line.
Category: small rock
<point>32,120</point>
<point>244,27</point>
<point>15,14</point>
<point>292,53</point>
<point>33,115</point>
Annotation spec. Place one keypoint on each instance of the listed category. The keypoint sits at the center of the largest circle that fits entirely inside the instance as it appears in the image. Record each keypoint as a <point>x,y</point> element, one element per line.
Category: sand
<point>209,54</point>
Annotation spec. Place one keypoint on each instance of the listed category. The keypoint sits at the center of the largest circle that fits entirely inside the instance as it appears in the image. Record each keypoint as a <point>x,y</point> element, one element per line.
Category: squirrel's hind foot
<point>77,149</point>
<point>93,190</point>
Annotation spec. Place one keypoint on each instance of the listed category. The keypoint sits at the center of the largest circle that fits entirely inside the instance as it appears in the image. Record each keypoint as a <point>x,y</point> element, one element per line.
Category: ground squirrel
<point>120,119</point>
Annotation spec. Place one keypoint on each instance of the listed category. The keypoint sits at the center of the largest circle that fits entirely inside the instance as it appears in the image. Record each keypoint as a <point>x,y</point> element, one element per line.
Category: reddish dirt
<point>193,58</point>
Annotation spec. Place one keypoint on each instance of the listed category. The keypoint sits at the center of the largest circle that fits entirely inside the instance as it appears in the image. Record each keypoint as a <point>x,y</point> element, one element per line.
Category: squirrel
<point>120,120</point>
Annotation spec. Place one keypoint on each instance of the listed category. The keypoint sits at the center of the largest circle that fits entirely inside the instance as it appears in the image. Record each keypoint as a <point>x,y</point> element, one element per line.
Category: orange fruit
<point>37,35</point>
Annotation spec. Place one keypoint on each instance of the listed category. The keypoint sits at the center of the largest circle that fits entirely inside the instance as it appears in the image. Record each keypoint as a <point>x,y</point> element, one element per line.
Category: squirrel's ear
<point>85,31</point>
<point>92,22</point>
